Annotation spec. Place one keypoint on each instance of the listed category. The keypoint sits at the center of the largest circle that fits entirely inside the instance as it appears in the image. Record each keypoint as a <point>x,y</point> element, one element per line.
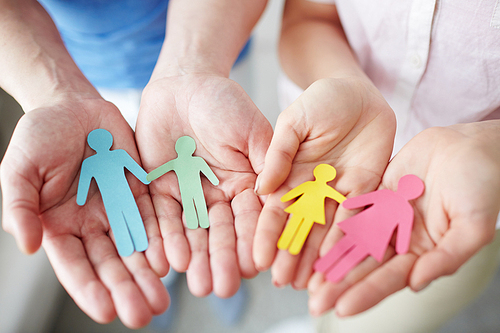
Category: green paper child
<point>187,168</point>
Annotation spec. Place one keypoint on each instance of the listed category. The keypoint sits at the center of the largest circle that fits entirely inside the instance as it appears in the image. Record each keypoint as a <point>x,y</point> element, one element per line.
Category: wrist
<point>36,68</point>
<point>189,60</point>
<point>206,37</point>
<point>486,132</point>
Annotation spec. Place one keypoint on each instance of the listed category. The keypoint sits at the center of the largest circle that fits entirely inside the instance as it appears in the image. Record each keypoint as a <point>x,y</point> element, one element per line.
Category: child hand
<point>39,178</point>
<point>342,122</point>
<point>454,218</point>
<point>232,136</point>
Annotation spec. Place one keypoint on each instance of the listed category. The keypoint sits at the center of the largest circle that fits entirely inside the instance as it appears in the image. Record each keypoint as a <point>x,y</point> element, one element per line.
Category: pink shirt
<point>436,62</point>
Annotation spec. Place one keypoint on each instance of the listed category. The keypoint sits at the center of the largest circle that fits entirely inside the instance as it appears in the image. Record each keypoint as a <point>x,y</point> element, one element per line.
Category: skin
<point>454,218</point>
<point>340,119</point>
<point>190,94</point>
<point>39,175</point>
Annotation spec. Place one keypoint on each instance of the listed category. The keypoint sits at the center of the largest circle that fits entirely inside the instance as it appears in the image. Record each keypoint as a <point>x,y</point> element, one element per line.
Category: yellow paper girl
<point>308,209</point>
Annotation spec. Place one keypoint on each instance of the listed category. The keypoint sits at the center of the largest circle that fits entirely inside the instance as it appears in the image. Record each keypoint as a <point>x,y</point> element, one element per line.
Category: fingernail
<point>257,184</point>
<point>422,287</point>
<point>278,285</point>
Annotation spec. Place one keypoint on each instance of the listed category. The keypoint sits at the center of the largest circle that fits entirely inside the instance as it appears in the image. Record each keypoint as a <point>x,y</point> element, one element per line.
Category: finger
<point>222,249</point>
<point>283,268</point>
<point>258,143</point>
<point>310,252</point>
<point>130,300</point>
<point>148,282</point>
<point>324,297</point>
<point>280,155</point>
<point>246,208</point>
<point>324,294</point>
<point>20,207</point>
<point>459,244</point>
<point>269,227</point>
<point>155,253</point>
<point>169,214</point>
<point>389,278</point>
<point>76,274</point>
<point>317,279</point>
<point>288,268</point>
<point>198,274</point>
<point>334,234</point>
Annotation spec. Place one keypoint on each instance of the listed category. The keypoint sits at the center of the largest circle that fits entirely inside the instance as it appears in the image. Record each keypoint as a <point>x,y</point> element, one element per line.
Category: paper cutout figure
<point>187,168</point>
<point>308,209</point>
<point>370,231</point>
<point>107,167</point>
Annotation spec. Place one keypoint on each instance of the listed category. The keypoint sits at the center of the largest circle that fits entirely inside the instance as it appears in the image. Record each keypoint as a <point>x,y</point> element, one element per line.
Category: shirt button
<point>415,61</point>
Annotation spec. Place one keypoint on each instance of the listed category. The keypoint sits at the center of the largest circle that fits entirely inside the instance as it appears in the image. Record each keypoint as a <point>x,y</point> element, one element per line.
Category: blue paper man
<point>107,167</point>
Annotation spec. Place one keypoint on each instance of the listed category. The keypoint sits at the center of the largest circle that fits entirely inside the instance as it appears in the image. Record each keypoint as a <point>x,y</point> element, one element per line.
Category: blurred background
<point>32,300</point>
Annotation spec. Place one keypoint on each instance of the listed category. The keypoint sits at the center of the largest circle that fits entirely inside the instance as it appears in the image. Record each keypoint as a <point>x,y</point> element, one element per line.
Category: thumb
<point>282,150</point>
<point>20,205</point>
<point>456,247</point>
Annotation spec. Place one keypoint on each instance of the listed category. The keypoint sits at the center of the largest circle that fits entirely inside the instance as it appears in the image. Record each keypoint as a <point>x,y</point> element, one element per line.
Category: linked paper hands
<point>334,122</point>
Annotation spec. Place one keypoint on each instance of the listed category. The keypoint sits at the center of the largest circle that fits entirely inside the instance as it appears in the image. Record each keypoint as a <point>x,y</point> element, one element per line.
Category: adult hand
<point>39,176</point>
<point>232,136</point>
<point>344,122</point>
<point>454,218</point>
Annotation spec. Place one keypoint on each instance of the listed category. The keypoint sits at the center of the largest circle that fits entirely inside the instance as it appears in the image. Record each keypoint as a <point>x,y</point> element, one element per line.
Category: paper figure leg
<point>290,230</point>
<point>201,210</point>
<point>300,238</point>
<point>190,213</point>
<point>136,228</point>
<point>348,262</point>
<point>337,251</point>
<point>118,225</point>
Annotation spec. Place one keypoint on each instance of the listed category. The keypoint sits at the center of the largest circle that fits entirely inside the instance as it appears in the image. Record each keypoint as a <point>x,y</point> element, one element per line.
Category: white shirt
<point>437,63</point>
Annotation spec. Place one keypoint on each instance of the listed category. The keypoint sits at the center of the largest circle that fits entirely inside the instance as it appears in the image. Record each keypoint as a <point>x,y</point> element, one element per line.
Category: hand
<point>232,136</point>
<point>340,122</point>
<point>39,177</point>
<point>454,218</point>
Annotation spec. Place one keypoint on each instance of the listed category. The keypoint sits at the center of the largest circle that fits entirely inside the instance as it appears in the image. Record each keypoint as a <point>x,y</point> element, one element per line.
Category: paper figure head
<point>100,139</point>
<point>324,172</point>
<point>410,187</point>
<point>185,145</point>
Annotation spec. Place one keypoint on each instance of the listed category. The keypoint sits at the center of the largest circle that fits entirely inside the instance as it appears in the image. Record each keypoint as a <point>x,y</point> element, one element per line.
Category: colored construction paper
<point>370,231</point>
<point>188,168</point>
<point>308,209</point>
<point>107,167</point>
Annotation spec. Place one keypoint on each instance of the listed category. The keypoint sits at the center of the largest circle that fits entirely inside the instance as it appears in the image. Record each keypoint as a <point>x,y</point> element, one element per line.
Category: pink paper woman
<point>370,231</point>
<point>308,209</point>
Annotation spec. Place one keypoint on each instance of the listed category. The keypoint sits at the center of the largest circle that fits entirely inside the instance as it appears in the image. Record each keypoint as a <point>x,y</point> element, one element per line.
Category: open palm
<point>232,136</point>
<point>39,177</point>
<point>453,219</point>
<point>342,122</point>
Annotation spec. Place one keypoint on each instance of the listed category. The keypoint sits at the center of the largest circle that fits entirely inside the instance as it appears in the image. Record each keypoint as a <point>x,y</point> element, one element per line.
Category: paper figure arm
<point>160,171</point>
<point>336,196</point>
<point>83,185</point>
<point>403,235</point>
<point>294,192</point>
<point>205,169</point>
<point>361,200</point>
<point>131,165</point>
